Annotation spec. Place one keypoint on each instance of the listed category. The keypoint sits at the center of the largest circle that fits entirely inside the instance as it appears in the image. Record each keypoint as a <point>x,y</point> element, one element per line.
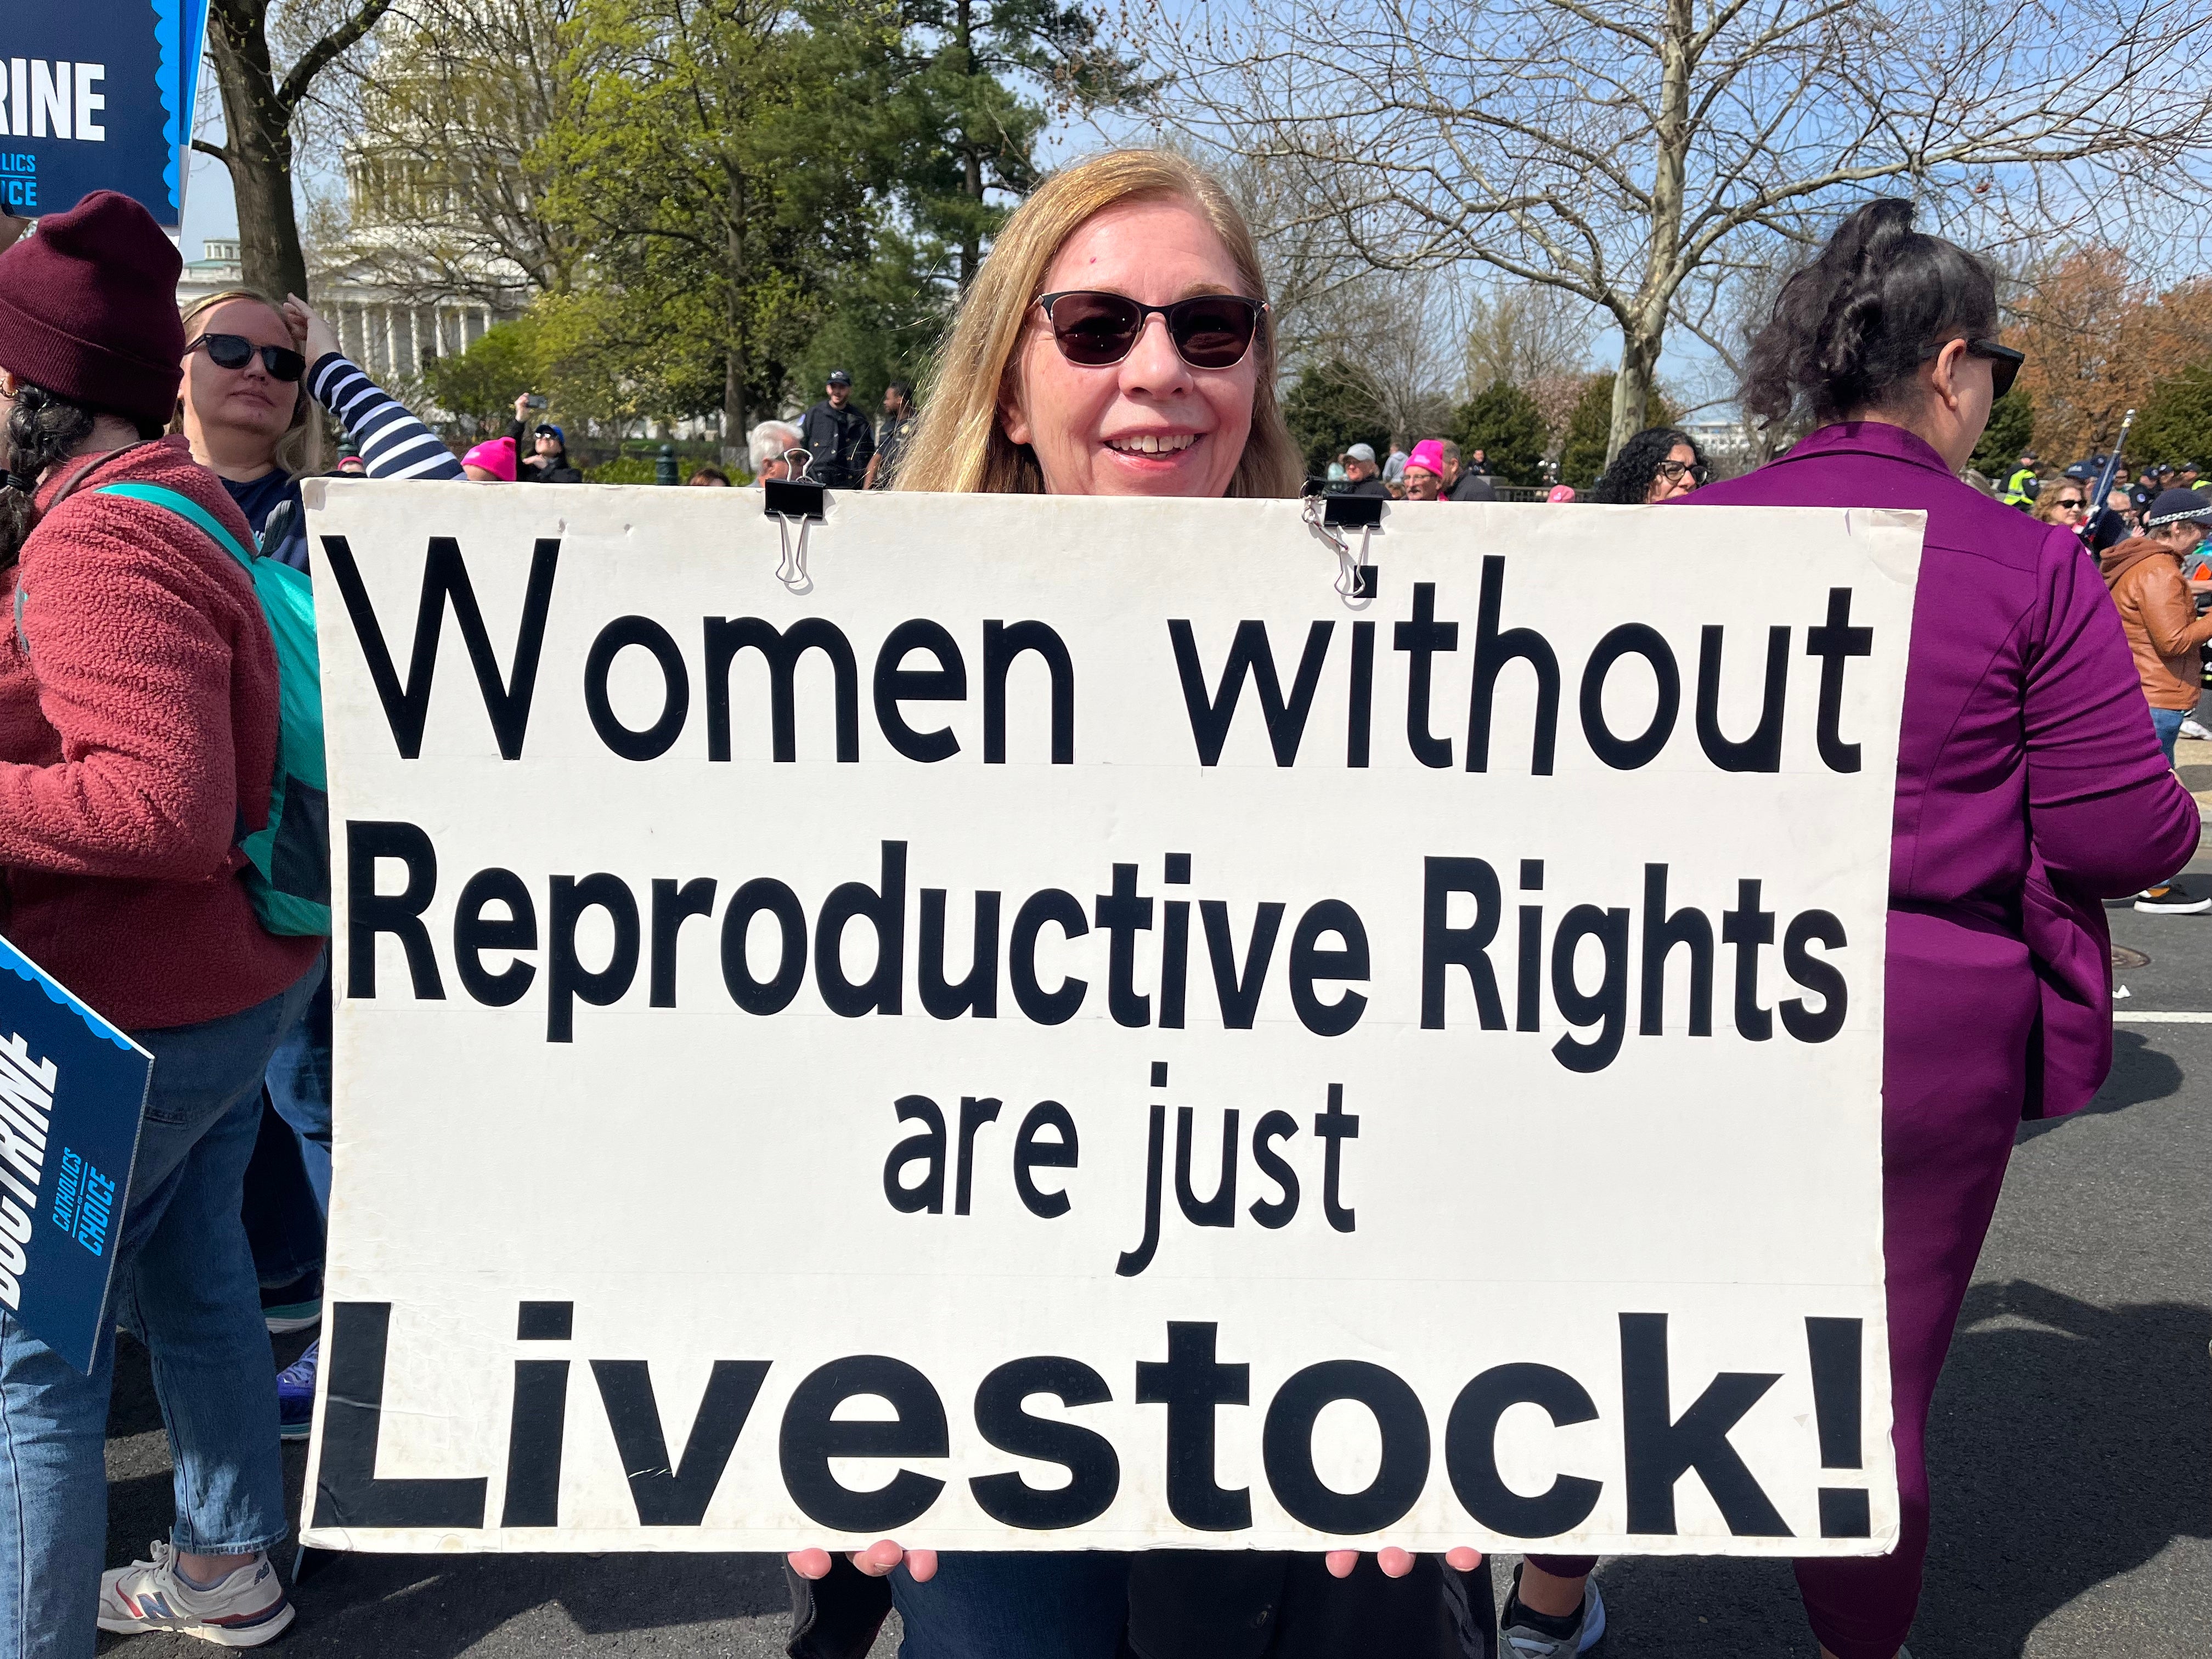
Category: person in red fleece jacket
<point>138,727</point>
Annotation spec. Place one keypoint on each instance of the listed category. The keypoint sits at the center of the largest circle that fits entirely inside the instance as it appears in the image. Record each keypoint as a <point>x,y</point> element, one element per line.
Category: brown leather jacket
<point>2163,627</point>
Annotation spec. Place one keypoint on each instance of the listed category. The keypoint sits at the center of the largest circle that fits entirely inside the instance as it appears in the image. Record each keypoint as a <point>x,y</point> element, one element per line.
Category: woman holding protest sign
<point>2029,786</point>
<point>139,718</point>
<point>1115,343</point>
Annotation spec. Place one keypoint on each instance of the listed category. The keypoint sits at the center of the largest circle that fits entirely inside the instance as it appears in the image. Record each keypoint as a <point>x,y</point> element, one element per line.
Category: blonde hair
<point>300,450</point>
<point>960,445</point>
<point>2046,504</point>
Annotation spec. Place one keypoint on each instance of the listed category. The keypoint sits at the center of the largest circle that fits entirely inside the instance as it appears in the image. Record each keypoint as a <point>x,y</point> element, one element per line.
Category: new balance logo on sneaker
<point>244,1608</point>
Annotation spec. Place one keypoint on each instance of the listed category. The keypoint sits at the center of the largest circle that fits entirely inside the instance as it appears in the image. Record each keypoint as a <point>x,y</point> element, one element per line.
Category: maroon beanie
<point>89,309</point>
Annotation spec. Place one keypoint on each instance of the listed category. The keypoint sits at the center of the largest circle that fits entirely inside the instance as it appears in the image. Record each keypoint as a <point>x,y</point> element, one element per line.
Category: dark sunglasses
<point>2070,501</point>
<point>2004,364</point>
<point>236,351</point>
<point>1209,331</point>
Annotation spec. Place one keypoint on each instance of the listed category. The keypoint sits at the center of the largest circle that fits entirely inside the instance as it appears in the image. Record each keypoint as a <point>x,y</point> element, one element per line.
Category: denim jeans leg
<point>53,1423</point>
<point>2166,722</point>
<point>194,1299</point>
<point>1056,1604</point>
<point>300,1088</point>
<point>53,1496</point>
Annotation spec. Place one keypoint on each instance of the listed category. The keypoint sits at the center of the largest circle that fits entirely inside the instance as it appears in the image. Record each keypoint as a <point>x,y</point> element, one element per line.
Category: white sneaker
<point>1516,1641</point>
<point>2193,727</point>
<point>243,1609</point>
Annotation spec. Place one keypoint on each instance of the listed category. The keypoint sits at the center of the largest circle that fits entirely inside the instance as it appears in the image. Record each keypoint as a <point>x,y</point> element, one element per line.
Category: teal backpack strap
<point>186,508</point>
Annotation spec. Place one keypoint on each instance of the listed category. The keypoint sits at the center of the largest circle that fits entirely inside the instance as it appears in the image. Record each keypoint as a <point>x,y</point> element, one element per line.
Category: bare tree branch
<point>1614,148</point>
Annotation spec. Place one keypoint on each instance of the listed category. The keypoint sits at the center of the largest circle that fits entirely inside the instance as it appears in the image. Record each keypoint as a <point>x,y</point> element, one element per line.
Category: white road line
<point>2120,1018</point>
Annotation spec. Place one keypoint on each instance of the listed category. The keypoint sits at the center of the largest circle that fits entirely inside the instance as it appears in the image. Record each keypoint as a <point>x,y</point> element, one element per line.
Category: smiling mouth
<point>1154,443</point>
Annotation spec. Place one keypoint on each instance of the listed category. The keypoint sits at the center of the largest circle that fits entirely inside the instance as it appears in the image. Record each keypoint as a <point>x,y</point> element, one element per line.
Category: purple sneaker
<point>296,1395</point>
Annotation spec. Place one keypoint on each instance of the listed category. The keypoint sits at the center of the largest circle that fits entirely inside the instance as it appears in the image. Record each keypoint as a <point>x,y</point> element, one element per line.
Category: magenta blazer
<point>2030,785</point>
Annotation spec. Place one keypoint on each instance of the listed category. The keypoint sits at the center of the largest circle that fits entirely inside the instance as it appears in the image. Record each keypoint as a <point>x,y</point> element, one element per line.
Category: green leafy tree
<point>2175,422</point>
<point>477,386</point>
<point>964,133</point>
<point>718,152</point>
<point>1330,407</point>
<point>883,320</point>
<point>2011,429</point>
<point>1589,428</point>
<point>1503,422</point>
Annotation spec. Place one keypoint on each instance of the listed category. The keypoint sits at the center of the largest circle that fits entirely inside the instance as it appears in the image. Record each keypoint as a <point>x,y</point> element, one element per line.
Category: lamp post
<point>663,467</point>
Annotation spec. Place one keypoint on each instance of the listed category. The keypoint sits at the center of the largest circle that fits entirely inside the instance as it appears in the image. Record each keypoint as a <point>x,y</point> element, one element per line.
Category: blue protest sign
<point>71,1091</point>
<point>98,94</point>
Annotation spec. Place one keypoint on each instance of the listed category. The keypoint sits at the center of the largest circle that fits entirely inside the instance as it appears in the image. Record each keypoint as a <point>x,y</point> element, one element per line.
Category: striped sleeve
<point>393,443</point>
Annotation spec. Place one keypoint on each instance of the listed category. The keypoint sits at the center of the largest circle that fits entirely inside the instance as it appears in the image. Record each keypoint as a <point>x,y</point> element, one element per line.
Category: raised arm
<point>393,443</point>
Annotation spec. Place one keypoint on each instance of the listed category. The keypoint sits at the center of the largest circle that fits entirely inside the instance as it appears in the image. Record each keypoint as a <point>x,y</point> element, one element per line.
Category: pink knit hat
<point>495,456</point>
<point>1428,455</point>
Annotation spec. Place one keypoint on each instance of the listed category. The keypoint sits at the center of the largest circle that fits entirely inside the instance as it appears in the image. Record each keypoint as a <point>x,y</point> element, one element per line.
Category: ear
<point>1943,374</point>
<point>1013,420</point>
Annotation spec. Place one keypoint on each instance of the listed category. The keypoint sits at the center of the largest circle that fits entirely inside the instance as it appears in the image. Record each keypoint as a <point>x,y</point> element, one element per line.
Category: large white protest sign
<point>1067,1031</point>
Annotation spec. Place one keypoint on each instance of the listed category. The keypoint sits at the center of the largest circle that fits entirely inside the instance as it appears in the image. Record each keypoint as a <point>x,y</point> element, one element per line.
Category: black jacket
<point>841,443</point>
<point>891,443</point>
<point>526,473</point>
<point>1366,487</point>
<point>1220,1604</point>
<point>1472,487</point>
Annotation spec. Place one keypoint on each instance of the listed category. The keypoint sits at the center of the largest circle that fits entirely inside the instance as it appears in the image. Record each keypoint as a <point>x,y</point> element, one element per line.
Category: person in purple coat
<point>2030,786</point>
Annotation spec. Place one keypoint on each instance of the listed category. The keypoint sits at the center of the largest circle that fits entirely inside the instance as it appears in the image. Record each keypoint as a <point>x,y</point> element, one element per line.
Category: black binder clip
<point>791,501</point>
<point>1327,516</point>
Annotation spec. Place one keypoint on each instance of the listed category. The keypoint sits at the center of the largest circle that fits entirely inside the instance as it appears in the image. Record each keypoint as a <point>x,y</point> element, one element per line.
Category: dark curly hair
<point>1628,480</point>
<point>42,428</point>
<point>1850,329</point>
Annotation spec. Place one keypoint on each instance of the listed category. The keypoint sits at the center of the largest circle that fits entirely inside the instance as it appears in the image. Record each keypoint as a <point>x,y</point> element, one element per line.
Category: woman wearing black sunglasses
<point>248,405</point>
<point>254,373</point>
<point>2029,787</point>
<point>1115,343</point>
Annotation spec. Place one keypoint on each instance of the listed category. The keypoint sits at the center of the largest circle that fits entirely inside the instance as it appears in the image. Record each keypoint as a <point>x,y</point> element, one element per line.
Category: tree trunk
<point>258,149</point>
<point>971,183</point>
<point>1642,337</point>
<point>1632,387</point>
<point>737,359</point>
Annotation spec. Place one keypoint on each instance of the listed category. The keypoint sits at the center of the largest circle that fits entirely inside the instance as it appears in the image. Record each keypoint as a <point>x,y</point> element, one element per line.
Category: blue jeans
<point>2166,722</point>
<point>184,1285</point>
<point>287,1200</point>
<point>1051,1604</point>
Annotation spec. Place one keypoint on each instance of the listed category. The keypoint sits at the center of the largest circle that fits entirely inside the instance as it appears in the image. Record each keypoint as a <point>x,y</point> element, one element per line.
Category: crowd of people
<point>1655,465</point>
<point>139,722</point>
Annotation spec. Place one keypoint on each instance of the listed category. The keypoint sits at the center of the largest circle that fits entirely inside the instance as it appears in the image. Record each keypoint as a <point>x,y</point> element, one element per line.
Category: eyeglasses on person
<point>1095,329</point>
<point>236,351</point>
<point>2004,364</point>
<point>1673,472</point>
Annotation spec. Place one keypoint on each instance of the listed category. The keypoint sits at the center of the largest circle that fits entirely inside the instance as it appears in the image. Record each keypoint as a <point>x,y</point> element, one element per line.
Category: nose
<point>1153,365</point>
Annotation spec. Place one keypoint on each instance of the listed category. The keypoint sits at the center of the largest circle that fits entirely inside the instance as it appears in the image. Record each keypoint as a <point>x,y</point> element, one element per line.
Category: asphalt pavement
<point>2070,1449</point>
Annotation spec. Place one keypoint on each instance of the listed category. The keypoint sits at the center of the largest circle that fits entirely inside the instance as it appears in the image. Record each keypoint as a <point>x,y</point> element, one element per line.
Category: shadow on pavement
<point>2140,1073</point>
<point>2070,1444</point>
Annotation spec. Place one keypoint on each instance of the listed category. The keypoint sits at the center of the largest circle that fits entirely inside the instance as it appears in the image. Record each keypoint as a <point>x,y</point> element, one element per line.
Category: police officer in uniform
<point>2023,486</point>
<point>901,416</point>
<point>841,440</point>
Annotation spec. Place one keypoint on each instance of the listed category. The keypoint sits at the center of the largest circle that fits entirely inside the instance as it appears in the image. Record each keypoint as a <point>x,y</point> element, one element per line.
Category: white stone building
<point>386,334</point>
